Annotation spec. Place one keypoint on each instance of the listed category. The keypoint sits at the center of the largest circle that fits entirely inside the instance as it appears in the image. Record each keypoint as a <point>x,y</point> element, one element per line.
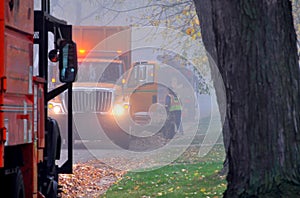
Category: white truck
<point>103,57</point>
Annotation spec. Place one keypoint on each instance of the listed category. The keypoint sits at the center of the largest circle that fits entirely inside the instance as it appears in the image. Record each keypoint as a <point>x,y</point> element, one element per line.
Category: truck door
<point>143,91</point>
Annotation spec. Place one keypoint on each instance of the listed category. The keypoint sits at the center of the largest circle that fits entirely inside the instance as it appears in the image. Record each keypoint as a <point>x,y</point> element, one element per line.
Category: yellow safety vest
<point>175,103</point>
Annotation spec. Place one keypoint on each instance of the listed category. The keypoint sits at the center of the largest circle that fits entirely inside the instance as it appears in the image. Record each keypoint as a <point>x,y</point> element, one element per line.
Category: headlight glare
<point>118,110</point>
<point>57,109</point>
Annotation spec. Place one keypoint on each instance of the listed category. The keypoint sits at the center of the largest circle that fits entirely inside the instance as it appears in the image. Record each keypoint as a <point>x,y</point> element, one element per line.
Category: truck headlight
<point>119,109</point>
<point>56,108</point>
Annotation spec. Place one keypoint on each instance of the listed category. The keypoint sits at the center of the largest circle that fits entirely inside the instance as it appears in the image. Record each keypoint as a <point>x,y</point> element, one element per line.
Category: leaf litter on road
<point>89,179</point>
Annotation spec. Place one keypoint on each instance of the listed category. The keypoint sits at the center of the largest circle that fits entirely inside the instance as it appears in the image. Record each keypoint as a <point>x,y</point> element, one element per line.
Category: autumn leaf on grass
<point>171,189</point>
<point>203,190</point>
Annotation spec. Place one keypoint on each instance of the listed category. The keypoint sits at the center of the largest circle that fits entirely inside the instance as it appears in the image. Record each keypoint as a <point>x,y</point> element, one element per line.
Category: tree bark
<point>256,54</point>
<point>208,37</point>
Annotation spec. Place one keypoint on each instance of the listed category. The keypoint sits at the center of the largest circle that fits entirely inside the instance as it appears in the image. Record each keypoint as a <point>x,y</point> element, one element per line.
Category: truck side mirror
<point>68,64</point>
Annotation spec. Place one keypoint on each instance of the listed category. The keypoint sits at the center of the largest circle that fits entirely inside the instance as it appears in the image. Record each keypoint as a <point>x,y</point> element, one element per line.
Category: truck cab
<point>101,66</point>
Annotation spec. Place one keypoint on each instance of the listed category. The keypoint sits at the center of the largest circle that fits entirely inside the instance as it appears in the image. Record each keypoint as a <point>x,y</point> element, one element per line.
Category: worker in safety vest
<point>174,109</point>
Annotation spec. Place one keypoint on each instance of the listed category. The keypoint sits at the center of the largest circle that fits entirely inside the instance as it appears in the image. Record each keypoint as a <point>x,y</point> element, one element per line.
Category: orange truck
<point>139,98</point>
<point>29,140</point>
<point>144,93</point>
<point>104,56</point>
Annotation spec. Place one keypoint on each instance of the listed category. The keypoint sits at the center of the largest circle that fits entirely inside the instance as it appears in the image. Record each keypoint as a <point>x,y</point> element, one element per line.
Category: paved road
<point>152,150</point>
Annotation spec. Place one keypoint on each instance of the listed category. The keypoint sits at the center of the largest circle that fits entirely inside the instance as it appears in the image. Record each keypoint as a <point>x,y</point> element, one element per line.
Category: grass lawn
<point>183,178</point>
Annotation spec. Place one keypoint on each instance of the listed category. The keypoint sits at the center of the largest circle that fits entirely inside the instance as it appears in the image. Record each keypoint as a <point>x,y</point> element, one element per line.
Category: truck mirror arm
<point>55,92</point>
<point>44,23</point>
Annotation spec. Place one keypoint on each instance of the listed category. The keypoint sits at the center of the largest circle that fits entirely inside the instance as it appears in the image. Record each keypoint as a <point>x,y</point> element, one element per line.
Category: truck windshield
<point>141,74</point>
<point>100,72</point>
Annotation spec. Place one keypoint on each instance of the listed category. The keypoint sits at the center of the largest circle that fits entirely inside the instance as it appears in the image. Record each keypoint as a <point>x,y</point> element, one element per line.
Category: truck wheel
<point>18,189</point>
<point>53,190</point>
<point>119,138</point>
<point>125,143</point>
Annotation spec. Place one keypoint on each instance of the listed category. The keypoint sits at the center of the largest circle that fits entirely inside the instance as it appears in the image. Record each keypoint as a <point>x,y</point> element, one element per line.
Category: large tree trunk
<point>256,52</point>
<point>205,8</point>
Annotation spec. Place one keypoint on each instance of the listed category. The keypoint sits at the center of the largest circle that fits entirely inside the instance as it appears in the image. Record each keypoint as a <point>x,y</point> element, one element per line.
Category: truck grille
<point>93,100</point>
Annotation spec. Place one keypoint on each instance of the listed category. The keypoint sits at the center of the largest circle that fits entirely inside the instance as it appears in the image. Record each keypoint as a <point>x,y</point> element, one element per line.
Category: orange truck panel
<point>16,71</point>
<point>19,15</point>
<point>88,37</point>
<point>143,97</point>
<point>18,114</point>
<point>39,122</point>
<point>16,88</point>
<point>18,63</point>
<point>1,75</point>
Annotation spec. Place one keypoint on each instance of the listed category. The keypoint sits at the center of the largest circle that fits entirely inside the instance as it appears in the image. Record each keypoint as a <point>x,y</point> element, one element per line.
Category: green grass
<point>183,178</point>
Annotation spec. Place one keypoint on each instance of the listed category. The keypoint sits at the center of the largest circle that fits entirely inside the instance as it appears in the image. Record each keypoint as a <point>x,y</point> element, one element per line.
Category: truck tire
<point>118,137</point>
<point>53,190</point>
<point>18,189</point>
<point>114,132</point>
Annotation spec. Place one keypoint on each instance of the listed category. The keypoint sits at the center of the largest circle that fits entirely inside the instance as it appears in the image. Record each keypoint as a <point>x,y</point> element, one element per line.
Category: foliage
<point>188,176</point>
<point>176,180</point>
<point>174,14</point>
<point>88,179</point>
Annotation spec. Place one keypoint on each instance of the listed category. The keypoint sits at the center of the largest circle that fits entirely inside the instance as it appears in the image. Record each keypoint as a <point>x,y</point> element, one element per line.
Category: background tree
<point>86,12</point>
<point>254,46</point>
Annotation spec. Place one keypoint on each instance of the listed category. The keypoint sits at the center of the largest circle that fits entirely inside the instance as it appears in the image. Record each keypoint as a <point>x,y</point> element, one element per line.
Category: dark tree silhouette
<point>254,46</point>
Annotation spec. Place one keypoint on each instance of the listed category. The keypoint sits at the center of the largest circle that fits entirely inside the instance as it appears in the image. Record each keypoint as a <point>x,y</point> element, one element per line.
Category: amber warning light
<point>82,51</point>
